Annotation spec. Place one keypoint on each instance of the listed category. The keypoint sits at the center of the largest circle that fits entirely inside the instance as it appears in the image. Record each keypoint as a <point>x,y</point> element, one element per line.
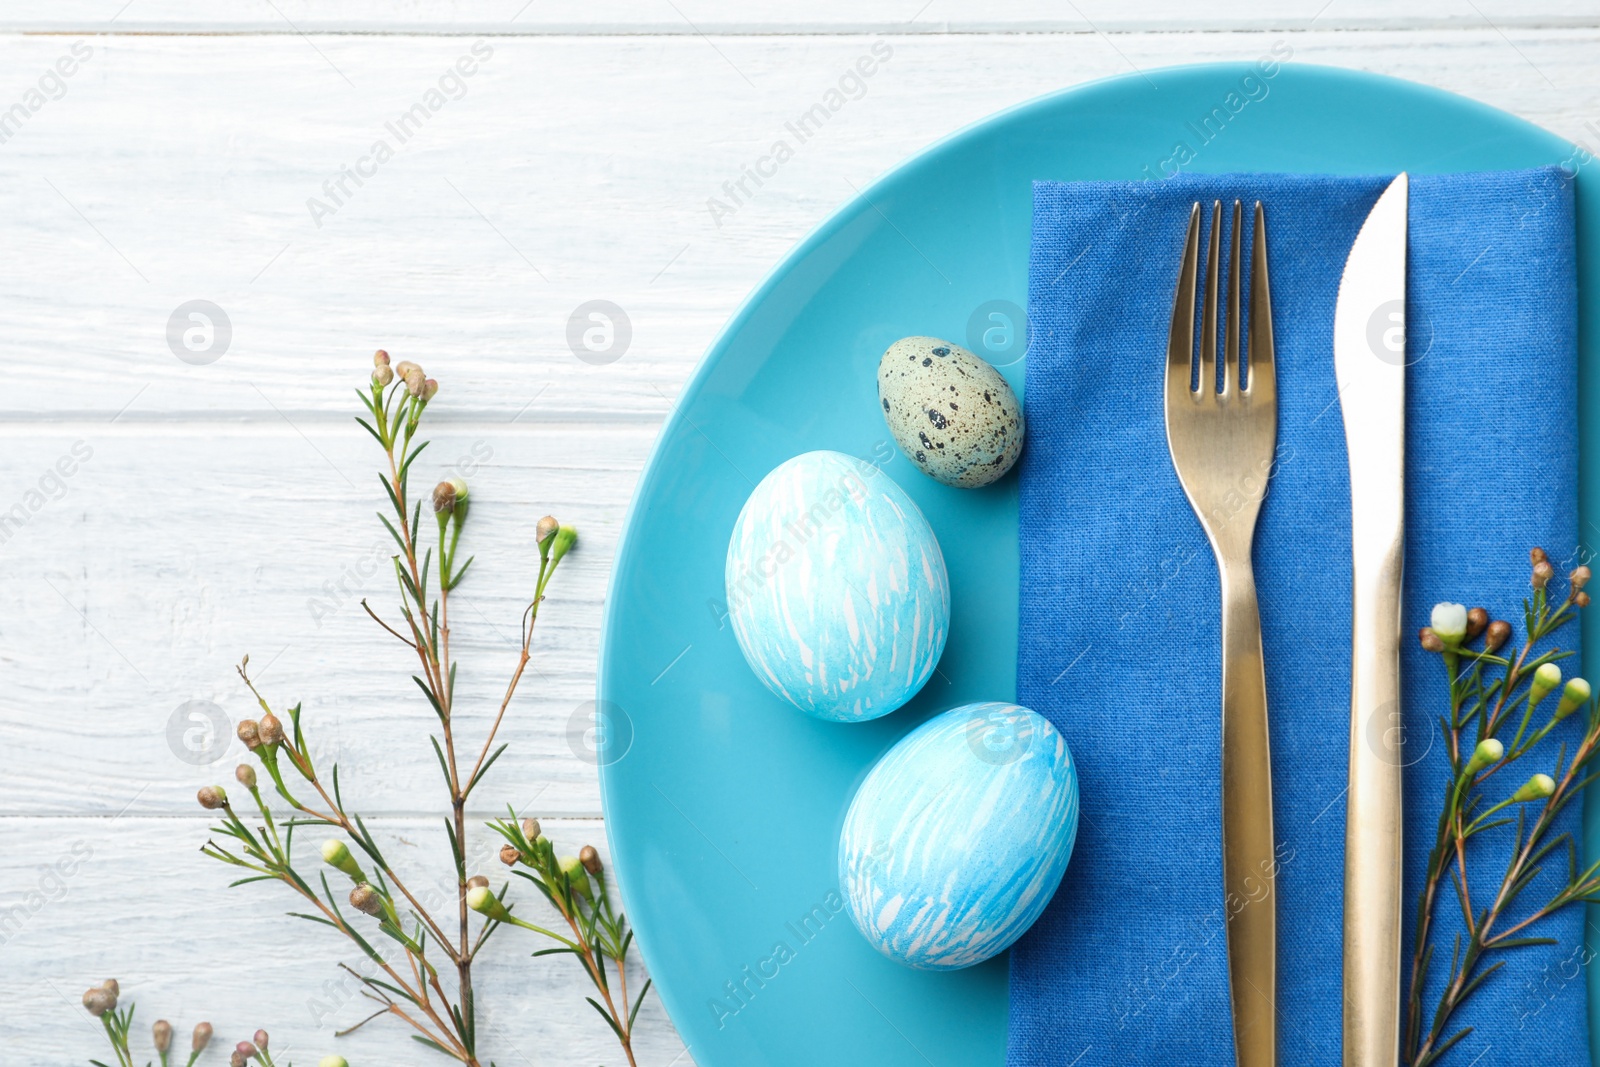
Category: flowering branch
<point>576,887</point>
<point>1488,692</point>
<point>414,947</point>
<point>101,1002</point>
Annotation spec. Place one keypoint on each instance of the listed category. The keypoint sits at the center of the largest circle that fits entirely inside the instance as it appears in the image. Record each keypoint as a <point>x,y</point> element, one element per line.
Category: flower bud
<point>509,855</point>
<point>546,529</point>
<point>161,1035</point>
<point>590,859</point>
<point>333,1061</point>
<point>1537,556</point>
<point>380,358</point>
<point>1498,633</point>
<point>566,537</point>
<point>382,377</point>
<point>405,367</point>
<point>1546,678</point>
<point>201,1038</point>
<point>572,867</point>
<point>1542,573</point>
<point>1449,623</point>
<point>1574,695</point>
<point>365,899</point>
<point>481,899</point>
<point>246,775</point>
<point>250,733</point>
<point>99,1000</point>
<point>1489,751</point>
<point>212,797</point>
<point>415,382</point>
<point>238,1059</point>
<point>1581,599</point>
<point>245,1050</point>
<point>1430,640</point>
<point>110,986</point>
<point>270,729</point>
<point>1579,577</point>
<point>430,389</point>
<point>1477,622</point>
<point>336,854</point>
<point>530,830</point>
<point>444,498</point>
<point>261,1040</point>
<point>477,881</point>
<point>1536,788</point>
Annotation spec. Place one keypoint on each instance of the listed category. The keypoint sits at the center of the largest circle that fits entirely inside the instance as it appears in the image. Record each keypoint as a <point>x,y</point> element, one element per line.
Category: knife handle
<point>1248,866</point>
<point>1373,818</point>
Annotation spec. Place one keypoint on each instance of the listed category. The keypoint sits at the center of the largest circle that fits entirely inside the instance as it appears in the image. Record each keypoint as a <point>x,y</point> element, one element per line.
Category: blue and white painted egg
<point>837,590</point>
<point>958,837</point>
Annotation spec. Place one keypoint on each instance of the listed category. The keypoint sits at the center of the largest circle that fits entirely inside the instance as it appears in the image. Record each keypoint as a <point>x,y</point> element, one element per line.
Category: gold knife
<point>1369,364</point>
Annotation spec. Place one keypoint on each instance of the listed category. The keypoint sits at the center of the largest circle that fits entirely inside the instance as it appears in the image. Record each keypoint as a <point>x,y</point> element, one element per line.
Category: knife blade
<point>1369,364</point>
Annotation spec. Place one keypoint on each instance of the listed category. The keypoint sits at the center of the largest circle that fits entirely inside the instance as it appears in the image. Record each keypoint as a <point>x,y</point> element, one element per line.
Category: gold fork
<point>1222,443</point>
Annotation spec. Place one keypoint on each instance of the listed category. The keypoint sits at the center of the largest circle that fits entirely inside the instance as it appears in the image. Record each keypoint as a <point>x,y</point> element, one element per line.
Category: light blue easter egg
<point>836,588</point>
<point>958,837</point>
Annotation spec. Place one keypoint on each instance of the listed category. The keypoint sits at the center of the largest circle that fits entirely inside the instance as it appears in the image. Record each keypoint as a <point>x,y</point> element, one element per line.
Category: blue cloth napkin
<point>1119,609</point>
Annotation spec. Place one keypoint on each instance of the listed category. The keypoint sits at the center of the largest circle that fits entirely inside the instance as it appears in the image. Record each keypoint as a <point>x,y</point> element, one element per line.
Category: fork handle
<point>1249,868</point>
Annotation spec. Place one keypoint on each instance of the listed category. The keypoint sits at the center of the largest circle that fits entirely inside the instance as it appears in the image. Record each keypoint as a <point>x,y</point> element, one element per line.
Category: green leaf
<point>486,765</point>
<point>1442,1049</point>
<point>392,532</point>
<point>1467,989</point>
<point>388,490</point>
<point>444,768</point>
<point>437,710</point>
<point>367,426</point>
<point>412,458</point>
<point>368,845</point>
<point>431,1043</point>
<point>609,1020</point>
<point>634,1014</point>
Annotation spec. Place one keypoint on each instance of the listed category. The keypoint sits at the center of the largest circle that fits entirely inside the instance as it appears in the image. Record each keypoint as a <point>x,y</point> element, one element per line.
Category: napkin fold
<point>1119,630</point>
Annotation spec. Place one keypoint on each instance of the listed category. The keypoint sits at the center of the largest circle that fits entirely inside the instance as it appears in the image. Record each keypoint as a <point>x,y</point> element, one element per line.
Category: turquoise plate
<point>723,805</point>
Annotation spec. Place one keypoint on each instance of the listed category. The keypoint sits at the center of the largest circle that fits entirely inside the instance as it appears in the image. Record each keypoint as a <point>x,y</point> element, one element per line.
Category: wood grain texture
<point>694,17</point>
<point>132,898</point>
<point>227,508</point>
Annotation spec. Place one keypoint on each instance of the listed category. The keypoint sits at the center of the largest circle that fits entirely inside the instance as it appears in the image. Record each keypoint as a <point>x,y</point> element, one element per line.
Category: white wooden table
<point>196,151</point>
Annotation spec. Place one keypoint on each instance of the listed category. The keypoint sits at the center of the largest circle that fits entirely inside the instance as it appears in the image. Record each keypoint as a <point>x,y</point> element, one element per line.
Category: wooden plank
<point>163,557</point>
<point>571,170</point>
<point>132,898</point>
<point>727,17</point>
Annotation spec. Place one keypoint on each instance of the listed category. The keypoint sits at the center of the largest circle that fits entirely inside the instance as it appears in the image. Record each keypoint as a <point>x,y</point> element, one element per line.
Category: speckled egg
<point>949,411</point>
<point>958,837</point>
<point>837,590</point>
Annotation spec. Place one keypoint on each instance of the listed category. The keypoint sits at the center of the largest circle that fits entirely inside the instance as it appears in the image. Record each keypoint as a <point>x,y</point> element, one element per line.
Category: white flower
<point>1450,623</point>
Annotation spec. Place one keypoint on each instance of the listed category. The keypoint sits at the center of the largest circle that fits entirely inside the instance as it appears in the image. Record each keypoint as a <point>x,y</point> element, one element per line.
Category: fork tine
<point>1232,364</point>
<point>1208,315</point>
<point>1262,383</point>
<point>1180,339</point>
